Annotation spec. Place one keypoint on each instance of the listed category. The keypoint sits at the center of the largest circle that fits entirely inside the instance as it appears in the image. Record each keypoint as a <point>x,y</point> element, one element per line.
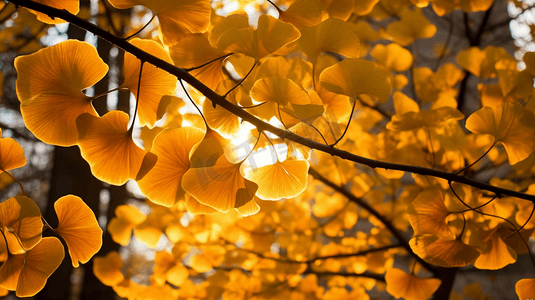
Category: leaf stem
<point>207,63</point>
<point>241,81</point>
<point>475,162</point>
<point>194,104</point>
<point>348,122</point>
<point>131,129</point>
<point>137,32</point>
<point>13,177</point>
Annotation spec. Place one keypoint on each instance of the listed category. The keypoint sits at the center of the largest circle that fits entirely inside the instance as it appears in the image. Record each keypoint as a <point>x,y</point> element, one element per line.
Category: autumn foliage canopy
<point>289,149</point>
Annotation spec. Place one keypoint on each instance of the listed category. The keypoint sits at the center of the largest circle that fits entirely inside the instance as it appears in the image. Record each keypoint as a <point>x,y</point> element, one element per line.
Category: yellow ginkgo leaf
<point>413,25</point>
<point>161,185</point>
<point>514,83</point>
<point>72,6</point>
<point>303,13</point>
<point>442,7</point>
<point>413,118</point>
<point>39,264</point>
<point>195,50</point>
<point>364,7</point>
<point>443,252</point>
<point>107,145</point>
<point>234,21</point>
<point>108,269</point>
<point>285,179</point>
<point>219,119</point>
<point>220,186</point>
<point>410,287</point>
<point>200,264</point>
<point>427,214</point>
<point>496,254</point>
<point>27,273</point>
<point>11,154</point>
<point>21,218</point>
<point>482,63</point>
<point>511,124</point>
<point>195,207</point>
<point>340,9</point>
<point>79,228</point>
<point>49,87</point>
<point>353,77</point>
<point>155,82</point>
<point>176,18</point>
<point>525,288</point>
<point>126,218</point>
<point>331,35</point>
<point>279,90</point>
<point>270,35</point>
<point>393,57</point>
<point>248,209</point>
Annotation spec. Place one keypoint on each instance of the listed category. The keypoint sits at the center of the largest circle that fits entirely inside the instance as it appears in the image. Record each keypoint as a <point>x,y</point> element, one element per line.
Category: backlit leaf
<point>11,154</point>
<point>176,18</point>
<point>353,77</point>
<point>511,124</point>
<point>107,145</point>
<point>410,287</point>
<point>79,228</point>
<point>49,87</point>
<point>172,146</point>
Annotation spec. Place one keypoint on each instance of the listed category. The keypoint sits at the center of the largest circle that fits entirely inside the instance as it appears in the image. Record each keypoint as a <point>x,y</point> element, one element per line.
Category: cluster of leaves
<point>28,257</point>
<point>213,179</point>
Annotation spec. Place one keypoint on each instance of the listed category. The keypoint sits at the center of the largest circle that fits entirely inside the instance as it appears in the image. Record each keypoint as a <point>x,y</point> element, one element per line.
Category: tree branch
<point>259,124</point>
<point>395,232</point>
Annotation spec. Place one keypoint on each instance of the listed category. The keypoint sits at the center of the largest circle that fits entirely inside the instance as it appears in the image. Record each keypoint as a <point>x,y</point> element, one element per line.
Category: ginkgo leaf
<point>285,179</point>
<point>21,217</point>
<point>220,186</point>
<point>331,35</point>
<point>340,9</point>
<point>303,13</point>
<point>413,118</point>
<point>428,214</point>
<point>49,87</point>
<point>195,50</point>
<point>443,252</point>
<point>482,63</point>
<point>496,254</point>
<point>525,288</point>
<point>270,35</point>
<point>108,269</point>
<point>161,185</point>
<point>511,124</point>
<point>442,7</point>
<point>200,264</point>
<point>195,207</point>
<point>410,287</point>
<point>11,154</point>
<point>155,82</point>
<point>353,77</point>
<point>39,264</point>
<point>413,25</point>
<point>219,119</point>
<point>176,18</point>
<point>364,7</point>
<point>233,21</point>
<point>107,145</point>
<point>79,228</point>
<point>126,218</point>
<point>393,57</point>
<point>72,6</point>
<point>248,209</point>
<point>27,273</point>
<point>280,90</point>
